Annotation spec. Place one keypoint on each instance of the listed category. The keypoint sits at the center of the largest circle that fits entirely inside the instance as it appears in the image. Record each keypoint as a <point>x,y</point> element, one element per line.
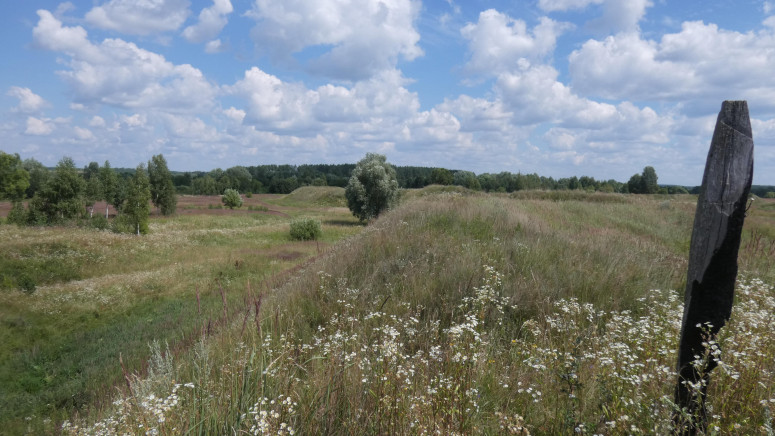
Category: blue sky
<point>556,87</point>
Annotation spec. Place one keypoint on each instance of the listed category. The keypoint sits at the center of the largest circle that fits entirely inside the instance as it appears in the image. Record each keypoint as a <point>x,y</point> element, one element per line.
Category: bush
<point>17,215</point>
<point>122,224</point>
<point>231,199</point>
<point>372,188</point>
<point>99,222</point>
<point>305,229</point>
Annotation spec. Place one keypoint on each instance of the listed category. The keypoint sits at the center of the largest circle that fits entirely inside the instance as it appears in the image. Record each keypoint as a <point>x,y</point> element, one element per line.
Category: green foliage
<point>635,185</point>
<point>769,194</point>
<point>441,176</point>
<point>649,178</point>
<point>14,179</point>
<point>372,188</point>
<point>38,176</point>
<point>163,192</point>
<point>17,215</point>
<point>644,183</point>
<point>61,198</point>
<point>137,208</point>
<point>305,229</point>
<point>231,199</point>
<point>110,186</point>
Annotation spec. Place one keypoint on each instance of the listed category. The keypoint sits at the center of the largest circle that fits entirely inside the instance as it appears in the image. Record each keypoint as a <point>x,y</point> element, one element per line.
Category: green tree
<point>467,179</point>
<point>372,188</point>
<point>635,185</point>
<point>137,208</point>
<point>14,179</point>
<point>231,199</point>
<point>205,185</point>
<point>94,191</point>
<point>441,176</point>
<point>61,198</point>
<point>110,186</point>
<point>163,192</point>
<point>649,180</point>
<point>39,175</point>
<point>769,194</point>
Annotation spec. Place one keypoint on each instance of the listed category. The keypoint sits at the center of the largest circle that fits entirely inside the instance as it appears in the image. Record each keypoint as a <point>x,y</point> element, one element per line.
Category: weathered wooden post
<point>710,284</point>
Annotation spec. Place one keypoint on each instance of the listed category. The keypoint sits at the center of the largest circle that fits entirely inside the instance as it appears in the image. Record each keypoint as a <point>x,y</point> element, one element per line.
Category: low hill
<point>475,314</point>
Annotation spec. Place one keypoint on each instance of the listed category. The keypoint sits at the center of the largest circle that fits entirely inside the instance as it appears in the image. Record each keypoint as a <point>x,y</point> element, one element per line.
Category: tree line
<point>284,179</point>
<point>67,194</point>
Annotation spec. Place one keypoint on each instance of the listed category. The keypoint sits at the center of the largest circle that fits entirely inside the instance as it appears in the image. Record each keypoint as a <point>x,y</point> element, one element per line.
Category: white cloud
<point>618,15</point>
<point>565,5</point>
<point>118,73</point>
<point>211,21</point>
<point>139,17</point>
<point>281,106</point>
<point>497,42</point>
<point>701,62</point>
<point>136,120</point>
<point>29,102</point>
<point>367,36</point>
<point>236,115</point>
<point>38,126</point>
<point>214,46</point>
<point>97,121</point>
<point>83,134</point>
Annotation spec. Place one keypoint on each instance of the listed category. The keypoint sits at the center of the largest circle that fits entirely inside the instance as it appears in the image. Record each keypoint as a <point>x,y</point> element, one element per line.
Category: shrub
<point>372,188</point>
<point>305,229</point>
<point>17,215</point>
<point>231,199</point>
<point>99,222</point>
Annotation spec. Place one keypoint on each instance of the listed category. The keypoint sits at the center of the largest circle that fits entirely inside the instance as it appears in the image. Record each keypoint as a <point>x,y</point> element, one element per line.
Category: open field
<point>455,313</point>
<point>98,295</point>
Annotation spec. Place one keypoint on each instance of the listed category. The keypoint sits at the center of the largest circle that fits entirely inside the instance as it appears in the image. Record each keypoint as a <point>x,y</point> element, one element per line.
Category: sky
<point>561,88</point>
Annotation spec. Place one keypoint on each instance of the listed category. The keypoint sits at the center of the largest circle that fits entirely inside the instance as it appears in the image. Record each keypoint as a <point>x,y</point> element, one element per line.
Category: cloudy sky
<point>557,87</point>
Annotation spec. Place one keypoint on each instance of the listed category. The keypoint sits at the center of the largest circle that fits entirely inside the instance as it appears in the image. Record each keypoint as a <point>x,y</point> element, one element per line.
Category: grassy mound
<point>471,315</point>
<point>326,196</point>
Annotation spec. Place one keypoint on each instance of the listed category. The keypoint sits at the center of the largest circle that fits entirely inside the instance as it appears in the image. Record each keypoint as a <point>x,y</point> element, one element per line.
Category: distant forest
<point>283,179</point>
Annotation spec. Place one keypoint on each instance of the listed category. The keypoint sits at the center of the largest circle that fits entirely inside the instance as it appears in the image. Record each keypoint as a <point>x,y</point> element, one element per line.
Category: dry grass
<point>464,313</point>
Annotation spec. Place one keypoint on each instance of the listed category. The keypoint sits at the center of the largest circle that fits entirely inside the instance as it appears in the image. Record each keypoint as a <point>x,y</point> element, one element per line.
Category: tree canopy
<point>372,188</point>
<point>162,189</point>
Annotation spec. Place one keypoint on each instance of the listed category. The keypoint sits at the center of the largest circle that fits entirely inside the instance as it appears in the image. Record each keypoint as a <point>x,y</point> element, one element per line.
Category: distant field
<point>456,313</point>
<point>98,295</point>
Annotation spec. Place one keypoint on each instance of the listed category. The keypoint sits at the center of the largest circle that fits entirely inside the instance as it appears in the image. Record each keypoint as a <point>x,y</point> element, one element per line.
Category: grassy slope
<point>101,294</point>
<point>350,339</point>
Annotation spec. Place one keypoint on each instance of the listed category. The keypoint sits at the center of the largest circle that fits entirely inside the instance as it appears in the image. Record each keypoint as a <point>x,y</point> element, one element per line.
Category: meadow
<point>455,313</point>
<point>94,297</point>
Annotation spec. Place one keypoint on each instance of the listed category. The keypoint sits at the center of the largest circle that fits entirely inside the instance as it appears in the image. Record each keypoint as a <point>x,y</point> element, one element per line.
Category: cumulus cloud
<point>118,73</point>
<point>142,17</point>
<point>497,42</point>
<point>83,134</point>
<point>277,105</point>
<point>211,21</point>
<point>38,126</point>
<point>365,36</point>
<point>29,102</point>
<point>618,15</point>
<point>699,62</point>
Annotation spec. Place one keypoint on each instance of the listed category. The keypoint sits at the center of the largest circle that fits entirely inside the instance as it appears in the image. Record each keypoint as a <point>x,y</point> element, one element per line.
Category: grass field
<point>455,313</point>
<point>99,295</point>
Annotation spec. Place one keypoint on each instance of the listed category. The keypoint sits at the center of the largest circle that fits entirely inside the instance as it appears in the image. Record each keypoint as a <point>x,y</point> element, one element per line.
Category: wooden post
<point>710,283</point>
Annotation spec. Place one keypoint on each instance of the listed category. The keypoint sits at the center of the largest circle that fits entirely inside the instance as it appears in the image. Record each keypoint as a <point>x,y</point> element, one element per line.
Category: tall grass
<point>470,314</point>
<point>100,295</point>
